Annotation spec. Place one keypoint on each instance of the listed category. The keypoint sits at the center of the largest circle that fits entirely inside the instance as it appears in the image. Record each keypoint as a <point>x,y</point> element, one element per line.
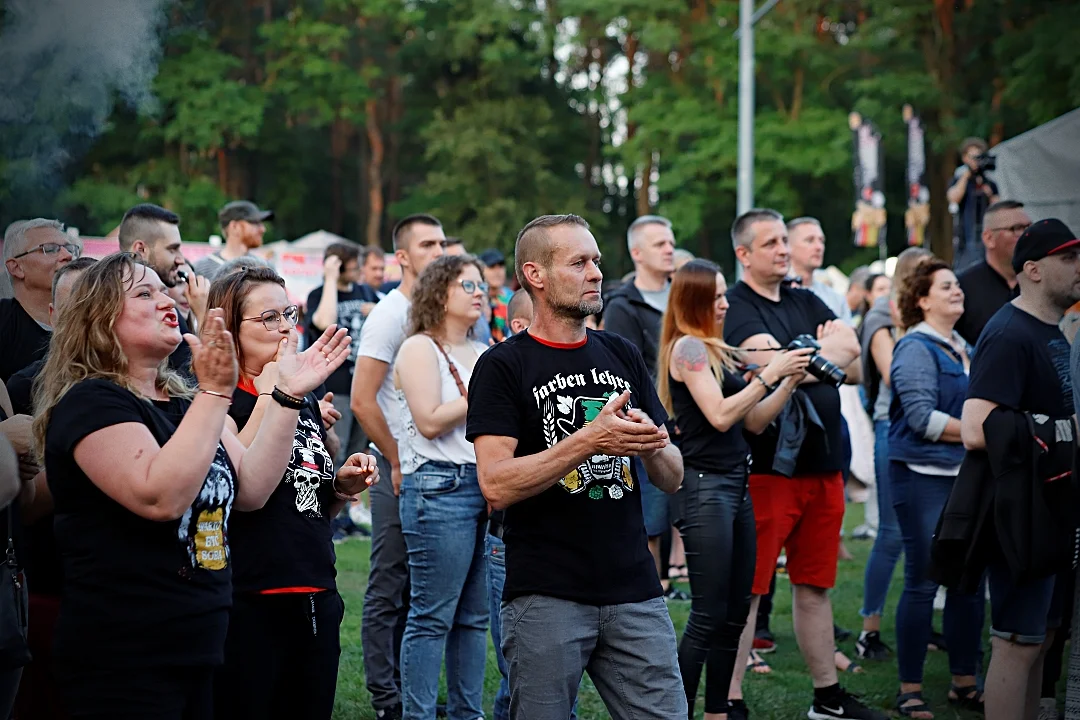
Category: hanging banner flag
<point>917,215</point>
<point>868,220</point>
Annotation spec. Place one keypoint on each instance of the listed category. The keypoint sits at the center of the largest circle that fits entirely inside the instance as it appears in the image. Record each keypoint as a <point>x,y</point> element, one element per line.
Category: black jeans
<point>281,657</point>
<point>714,514</point>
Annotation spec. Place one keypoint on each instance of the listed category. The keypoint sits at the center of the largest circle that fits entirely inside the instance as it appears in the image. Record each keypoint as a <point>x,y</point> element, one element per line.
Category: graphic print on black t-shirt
<point>203,525</point>
<point>583,538</point>
<point>310,467</point>
<point>565,414</point>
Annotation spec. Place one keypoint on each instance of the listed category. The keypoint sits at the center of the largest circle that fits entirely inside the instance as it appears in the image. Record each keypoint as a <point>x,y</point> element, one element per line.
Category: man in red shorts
<point>797,489</point>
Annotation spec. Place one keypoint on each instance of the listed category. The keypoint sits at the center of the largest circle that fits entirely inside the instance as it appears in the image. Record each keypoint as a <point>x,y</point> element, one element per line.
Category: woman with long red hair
<point>703,387</point>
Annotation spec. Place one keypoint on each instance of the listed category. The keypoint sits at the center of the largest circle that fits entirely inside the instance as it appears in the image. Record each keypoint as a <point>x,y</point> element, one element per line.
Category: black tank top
<point>703,447</point>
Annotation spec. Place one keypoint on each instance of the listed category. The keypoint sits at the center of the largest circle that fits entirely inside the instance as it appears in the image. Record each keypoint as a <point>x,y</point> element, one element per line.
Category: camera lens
<point>826,371</point>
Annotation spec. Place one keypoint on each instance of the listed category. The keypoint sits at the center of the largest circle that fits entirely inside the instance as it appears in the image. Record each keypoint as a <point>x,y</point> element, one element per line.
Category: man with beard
<point>555,414</point>
<point>153,233</point>
<point>243,225</point>
<point>1021,363</point>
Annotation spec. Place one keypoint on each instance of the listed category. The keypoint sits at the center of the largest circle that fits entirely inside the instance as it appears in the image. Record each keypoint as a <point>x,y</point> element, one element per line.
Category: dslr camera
<point>824,370</point>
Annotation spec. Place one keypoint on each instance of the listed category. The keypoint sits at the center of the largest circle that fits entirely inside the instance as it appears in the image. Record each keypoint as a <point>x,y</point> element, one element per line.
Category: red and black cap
<point>1043,238</point>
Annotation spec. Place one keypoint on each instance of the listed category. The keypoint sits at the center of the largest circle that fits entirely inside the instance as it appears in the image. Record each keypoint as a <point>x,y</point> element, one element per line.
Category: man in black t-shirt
<point>153,233</point>
<point>1022,363</point>
<point>33,250</point>
<point>798,501</point>
<point>349,306</point>
<point>556,413</point>
<point>990,284</point>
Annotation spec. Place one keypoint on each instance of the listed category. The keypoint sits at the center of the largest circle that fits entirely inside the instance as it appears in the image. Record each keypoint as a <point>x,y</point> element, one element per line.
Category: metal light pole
<point>745,174</point>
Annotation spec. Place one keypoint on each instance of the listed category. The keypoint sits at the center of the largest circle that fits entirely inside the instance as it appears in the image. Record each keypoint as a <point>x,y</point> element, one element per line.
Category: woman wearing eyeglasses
<point>281,653</point>
<point>144,478</point>
<point>443,513</point>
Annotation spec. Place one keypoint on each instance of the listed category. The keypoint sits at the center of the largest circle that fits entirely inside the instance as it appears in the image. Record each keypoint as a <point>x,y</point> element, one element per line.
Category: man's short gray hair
<point>640,222</point>
<point>741,233</point>
<point>15,235</point>
<point>805,220</point>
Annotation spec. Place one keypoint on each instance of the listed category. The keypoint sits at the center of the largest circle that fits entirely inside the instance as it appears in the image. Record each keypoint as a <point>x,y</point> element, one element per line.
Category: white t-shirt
<point>450,447</point>
<point>380,338</point>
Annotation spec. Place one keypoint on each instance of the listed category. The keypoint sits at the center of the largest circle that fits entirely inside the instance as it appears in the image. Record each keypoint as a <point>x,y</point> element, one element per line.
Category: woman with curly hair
<point>929,378</point>
<point>443,513</point>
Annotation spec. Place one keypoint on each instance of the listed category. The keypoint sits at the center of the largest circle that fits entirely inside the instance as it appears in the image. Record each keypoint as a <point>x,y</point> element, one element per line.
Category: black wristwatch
<point>286,400</point>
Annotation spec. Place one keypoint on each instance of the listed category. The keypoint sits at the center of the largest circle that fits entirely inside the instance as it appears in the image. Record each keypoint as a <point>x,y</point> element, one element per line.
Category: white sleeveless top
<point>451,447</point>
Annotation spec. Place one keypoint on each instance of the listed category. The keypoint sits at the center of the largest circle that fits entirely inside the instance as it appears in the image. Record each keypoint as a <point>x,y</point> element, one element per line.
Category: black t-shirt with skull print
<point>288,543</point>
<point>137,593</point>
<point>583,539</point>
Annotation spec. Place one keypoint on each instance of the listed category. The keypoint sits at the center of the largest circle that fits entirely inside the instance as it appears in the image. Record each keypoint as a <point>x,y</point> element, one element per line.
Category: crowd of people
<point>176,442</point>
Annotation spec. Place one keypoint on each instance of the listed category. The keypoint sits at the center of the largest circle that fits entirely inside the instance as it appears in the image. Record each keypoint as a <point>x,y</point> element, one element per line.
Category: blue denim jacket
<point>929,386</point>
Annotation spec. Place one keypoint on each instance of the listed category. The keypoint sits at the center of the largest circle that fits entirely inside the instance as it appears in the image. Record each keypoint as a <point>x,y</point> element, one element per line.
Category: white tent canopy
<point>1041,168</point>
<point>319,240</point>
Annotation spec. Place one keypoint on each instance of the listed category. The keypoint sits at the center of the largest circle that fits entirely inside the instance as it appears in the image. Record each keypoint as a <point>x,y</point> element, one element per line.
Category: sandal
<point>755,664</point>
<point>967,698</point>
<point>845,664</point>
<point>910,710</point>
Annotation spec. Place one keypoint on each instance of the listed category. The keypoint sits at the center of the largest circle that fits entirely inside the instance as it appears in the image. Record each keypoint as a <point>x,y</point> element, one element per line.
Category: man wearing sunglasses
<point>33,250</point>
<point>989,284</point>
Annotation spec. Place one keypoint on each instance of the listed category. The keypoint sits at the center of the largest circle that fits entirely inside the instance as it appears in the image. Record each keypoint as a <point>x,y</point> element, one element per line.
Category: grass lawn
<point>786,693</point>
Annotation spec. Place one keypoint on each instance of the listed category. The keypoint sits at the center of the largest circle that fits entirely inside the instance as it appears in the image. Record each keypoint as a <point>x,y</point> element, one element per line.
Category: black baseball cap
<point>1043,238</point>
<point>243,210</point>
<point>492,257</point>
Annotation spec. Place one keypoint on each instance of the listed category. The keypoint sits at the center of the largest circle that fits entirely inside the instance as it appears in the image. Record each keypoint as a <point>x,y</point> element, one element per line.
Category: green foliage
<point>490,112</point>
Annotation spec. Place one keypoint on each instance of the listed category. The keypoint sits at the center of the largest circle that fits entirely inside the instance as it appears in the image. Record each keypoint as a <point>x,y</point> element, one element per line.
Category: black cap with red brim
<point>1042,239</point>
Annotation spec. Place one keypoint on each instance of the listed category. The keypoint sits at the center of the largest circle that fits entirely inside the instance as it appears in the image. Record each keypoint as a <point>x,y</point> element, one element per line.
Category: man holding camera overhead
<point>973,192</point>
<point>796,469</point>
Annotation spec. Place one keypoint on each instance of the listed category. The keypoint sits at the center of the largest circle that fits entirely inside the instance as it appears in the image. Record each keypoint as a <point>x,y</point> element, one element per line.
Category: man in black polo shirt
<point>556,413</point>
<point>33,250</point>
<point>990,284</point>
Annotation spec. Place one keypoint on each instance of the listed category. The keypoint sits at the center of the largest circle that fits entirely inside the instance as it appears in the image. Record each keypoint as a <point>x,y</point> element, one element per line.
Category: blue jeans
<point>628,651</point>
<point>444,521</point>
<point>919,500</point>
<point>496,574</point>
<point>495,549</point>
<point>888,544</point>
<point>655,503</point>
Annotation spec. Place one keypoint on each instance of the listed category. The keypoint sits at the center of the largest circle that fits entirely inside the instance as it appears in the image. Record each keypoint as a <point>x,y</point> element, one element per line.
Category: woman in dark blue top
<point>701,387</point>
<point>929,382</point>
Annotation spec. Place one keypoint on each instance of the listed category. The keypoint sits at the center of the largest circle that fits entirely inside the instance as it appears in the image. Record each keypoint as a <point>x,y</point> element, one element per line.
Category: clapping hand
<point>300,373</point>
<point>213,356</point>
<point>359,472</point>
<point>330,414</point>
<point>624,433</point>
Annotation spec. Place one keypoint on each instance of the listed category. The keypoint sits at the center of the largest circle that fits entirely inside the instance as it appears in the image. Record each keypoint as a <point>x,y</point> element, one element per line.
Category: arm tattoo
<point>691,355</point>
